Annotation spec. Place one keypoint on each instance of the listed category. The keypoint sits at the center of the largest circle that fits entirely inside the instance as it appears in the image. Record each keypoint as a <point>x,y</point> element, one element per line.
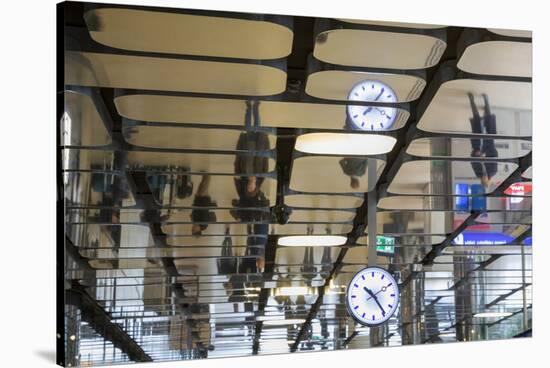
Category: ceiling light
<point>312,240</point>
<point>345,143</point>
<point>284,322</point>
<point>292,290</point>
<point>492,314</point>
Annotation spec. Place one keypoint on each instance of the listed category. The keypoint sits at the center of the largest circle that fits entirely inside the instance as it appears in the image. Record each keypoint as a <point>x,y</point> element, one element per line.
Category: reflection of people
<point>483,147</point>
<point>248,187</point>
<point>201,214</point>
<point>354,168</point>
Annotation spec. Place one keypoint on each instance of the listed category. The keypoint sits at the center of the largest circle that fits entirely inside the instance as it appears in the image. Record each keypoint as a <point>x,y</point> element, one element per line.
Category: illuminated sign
<point>385,244</point>
<point>471,238</point>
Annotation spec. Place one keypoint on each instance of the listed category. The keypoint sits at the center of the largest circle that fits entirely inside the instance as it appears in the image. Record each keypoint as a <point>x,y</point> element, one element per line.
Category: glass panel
<point>508,58</point>
<point>508,103</point>
<point>337,84</point>
<point>462,147</point>
<point>96,189</point>
<point>323,201</point>
<point>155,31</point>
<point>81,124</point>
<point>163,74</point>
<point>197,162</point>
<point>449,177</point>
<point>211,191</point>
<point>329,174</point>
<point>394,50</point>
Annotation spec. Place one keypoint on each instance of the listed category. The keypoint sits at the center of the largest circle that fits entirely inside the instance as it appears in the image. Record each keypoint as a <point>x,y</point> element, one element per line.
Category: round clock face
<point>372,296</point>
<point>372,117</point>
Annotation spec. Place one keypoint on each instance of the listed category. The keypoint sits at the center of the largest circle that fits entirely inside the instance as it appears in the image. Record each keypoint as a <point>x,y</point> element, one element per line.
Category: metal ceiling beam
<point>102,323</point>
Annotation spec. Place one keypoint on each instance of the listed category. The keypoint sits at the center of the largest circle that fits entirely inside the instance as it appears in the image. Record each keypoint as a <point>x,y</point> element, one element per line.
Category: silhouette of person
<point>483,147</point>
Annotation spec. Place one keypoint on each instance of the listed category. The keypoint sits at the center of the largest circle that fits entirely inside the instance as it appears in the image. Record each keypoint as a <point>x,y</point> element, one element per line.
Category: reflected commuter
<point>483,147</point>
<point>201,214</point>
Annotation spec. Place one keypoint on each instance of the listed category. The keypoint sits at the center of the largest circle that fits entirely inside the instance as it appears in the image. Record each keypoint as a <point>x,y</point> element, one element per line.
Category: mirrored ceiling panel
<point>211,191</point>
<point>306,256</point>
<point>320,116</point>
<point>461,203</point>
<point>212,229</point>
<point>312,216</point>
<point>87,159</point>
<point>96,189</point>
<point>418,222</point>
<point>511,32</point>
<point>393,24</point>
<point>506,217</point>
<point>155,31</point>
<point>199,110</point>
<point>109,235</point>
<point>330,174</point>
<point>215,240</point>
<point>463,147</point>
<point>208,139</point>
<point>528,173</point>
<point>412,240</point>
<point>394,50</point>
<point>323,201</point>
<point>81,124</point>
<point>197,162</point>
<point>460,105</point>
<point>209,215</point>
<point>337,84</point>
<point>311,229</point>
<point>490,234</point>
<point>165,74</point>
<point>458,178</point>
<point>507,58</point>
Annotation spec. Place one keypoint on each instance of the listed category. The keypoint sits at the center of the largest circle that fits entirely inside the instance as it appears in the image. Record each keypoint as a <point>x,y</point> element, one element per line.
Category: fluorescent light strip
<point>284,322</point>
<point>492,315</point>
<point>345,144</point>
<point>312,240</point>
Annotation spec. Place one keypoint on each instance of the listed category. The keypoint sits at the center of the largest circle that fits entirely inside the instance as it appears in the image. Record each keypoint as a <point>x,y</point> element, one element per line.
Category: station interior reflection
<point>217,171</point>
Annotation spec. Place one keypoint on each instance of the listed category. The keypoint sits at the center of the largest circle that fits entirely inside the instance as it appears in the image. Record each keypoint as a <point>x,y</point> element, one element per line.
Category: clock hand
<point>375,298</point>
<point>380,94</point>
<point>367,110</point>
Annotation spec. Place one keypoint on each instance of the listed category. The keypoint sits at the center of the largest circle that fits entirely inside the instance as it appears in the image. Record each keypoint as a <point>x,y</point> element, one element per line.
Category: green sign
<point>385,244</point>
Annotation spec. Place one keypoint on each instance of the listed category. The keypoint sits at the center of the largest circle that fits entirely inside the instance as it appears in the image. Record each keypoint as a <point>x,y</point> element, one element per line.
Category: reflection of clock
<point>372,117</point>
<point>372,296</point>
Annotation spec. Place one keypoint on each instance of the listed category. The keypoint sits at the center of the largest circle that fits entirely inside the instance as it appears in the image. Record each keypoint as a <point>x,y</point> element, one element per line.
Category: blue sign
<point>474,238</point>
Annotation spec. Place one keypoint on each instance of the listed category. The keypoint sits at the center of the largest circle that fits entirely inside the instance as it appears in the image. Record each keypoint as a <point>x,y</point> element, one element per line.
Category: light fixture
<point>292,290</point>
<point>345,144</point>
<point>312,240</point>
<point>492,314</point>
<point>284,322</point>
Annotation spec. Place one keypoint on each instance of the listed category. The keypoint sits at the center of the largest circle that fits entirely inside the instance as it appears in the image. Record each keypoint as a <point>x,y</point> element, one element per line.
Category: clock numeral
<point>363,316</point>
<point>382,277</point>
<point>356,307</point>
<point>389,305</point>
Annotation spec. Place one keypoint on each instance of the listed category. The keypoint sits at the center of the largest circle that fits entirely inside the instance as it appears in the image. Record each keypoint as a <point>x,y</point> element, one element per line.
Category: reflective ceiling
<point>191,142</point>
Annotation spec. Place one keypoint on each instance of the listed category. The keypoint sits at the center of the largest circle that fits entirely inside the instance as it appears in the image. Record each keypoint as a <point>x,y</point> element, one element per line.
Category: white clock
<point>372,296</point>
<point>372,117</point>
